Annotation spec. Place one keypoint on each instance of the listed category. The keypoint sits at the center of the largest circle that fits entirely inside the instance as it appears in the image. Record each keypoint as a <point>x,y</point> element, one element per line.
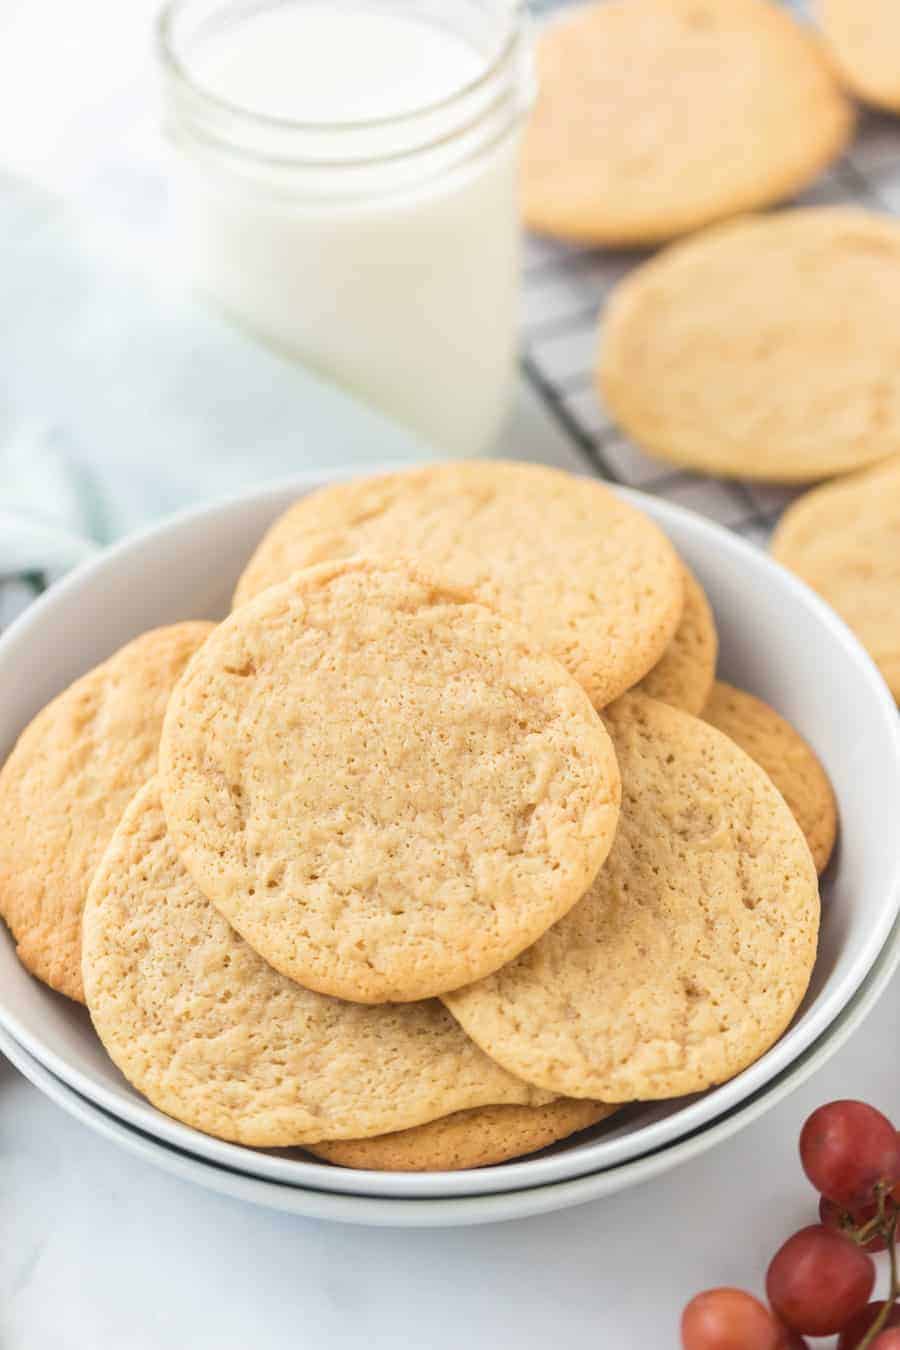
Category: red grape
<point>818,1280</point>
<point>887,1340</point>
<point>834,1216</point>
<point>857,1327</point>
<point>728,1319</point>
<point>847,1148</point>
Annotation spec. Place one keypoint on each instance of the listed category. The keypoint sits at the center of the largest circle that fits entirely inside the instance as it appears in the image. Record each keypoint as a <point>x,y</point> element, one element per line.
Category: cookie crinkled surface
<point>66,783</point>
<point>691,952</point>
<point>215,1037</point>
<point>593,578</point>
<point>388,789</point>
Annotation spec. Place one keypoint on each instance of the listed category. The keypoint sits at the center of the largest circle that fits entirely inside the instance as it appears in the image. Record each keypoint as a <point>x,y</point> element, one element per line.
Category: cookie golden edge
<point>603,678</point>
<point>546,1069</point>
<point>482,1137</point>
<point>821,831</point>
<point>49,951</point>
<point>864,84</point>
<point>684,678</point>
<point>802,512</point>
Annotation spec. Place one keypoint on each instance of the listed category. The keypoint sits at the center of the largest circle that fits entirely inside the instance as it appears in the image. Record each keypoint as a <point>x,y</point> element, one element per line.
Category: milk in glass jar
<point>346,186</point>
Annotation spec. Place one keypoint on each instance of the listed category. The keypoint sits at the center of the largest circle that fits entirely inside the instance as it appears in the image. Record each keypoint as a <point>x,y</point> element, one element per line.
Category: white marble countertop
<point>101,1252</point>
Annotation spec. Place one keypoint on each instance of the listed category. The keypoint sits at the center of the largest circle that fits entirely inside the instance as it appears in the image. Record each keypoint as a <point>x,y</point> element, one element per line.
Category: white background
<point>99,1252</point>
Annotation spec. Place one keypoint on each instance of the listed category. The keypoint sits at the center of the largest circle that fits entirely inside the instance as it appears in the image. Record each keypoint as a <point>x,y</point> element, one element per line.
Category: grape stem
<point>875,1225</point>
<point>890,1234</point>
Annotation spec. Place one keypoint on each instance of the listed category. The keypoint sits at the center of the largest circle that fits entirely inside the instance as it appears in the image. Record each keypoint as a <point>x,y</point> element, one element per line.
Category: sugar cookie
<point>213,1036</point>
<point>842,539</point>
<point>382,785</point>
<point>864,39</point>
<point>72,773</point>
<point>689,955</point>
<point>791,764</point>
<point>594,579</point>
<point>765,348</point>
<point>655,117</point>
<point>479,1138</point>
<point>684,675</point>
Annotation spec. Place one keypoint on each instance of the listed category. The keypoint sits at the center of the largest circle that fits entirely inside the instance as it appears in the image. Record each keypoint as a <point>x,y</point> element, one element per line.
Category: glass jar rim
<point>173,65</point>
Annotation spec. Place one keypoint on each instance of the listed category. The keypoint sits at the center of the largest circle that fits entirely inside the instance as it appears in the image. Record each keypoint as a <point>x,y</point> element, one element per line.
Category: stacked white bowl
<point>777,640</point>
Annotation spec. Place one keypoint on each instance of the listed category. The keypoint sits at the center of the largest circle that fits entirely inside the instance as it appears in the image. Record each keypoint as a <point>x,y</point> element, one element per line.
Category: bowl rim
<point>514,1175</point>
<point>469,1210</point>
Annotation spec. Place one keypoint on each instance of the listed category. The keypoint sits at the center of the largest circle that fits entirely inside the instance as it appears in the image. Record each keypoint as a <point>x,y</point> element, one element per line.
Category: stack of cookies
<point>441,846</point>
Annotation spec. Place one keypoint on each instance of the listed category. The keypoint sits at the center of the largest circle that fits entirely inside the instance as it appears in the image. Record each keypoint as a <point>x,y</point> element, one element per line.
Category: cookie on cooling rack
<point>656,117</point>
<point>765,348</point>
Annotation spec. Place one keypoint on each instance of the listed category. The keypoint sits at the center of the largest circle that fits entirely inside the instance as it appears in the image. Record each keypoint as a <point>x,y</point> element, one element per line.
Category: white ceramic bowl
<point>777,639</point>
<point>453,1211</point>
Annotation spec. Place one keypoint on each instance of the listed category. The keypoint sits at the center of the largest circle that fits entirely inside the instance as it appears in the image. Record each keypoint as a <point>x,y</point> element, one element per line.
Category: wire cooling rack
<point>565,290</point>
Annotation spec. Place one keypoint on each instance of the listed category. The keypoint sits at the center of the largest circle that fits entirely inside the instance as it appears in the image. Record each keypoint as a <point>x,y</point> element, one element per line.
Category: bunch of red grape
<point>820,1282</point>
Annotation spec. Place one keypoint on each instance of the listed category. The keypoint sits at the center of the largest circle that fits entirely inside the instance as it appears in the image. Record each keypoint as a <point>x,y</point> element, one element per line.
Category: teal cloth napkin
<point>123,399</point>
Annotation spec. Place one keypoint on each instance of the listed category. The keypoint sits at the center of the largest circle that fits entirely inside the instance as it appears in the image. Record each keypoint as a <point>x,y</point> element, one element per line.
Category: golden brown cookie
<point>593,578</point>
<point>387,789</point>
<point>791,764</point>
<point>684,675</point>
<point>656,117</point>
<point>689,955</point>
<point>765,348</point>
<point>842,539</point>
<point>213,1036</point>
<point>65,785</point>
<point>479,1138</point>
<point>864,39</point>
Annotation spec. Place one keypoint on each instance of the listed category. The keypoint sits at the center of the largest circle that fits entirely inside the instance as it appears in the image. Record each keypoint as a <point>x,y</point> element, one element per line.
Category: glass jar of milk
<point>346,186</point>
